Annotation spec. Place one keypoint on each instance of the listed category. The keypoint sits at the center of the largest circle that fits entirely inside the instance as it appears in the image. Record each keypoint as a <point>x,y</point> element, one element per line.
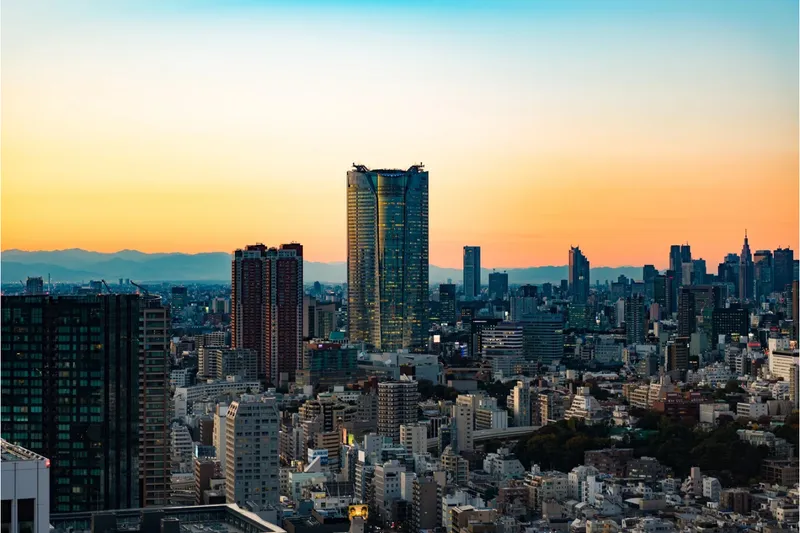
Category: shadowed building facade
<point>387,257</point>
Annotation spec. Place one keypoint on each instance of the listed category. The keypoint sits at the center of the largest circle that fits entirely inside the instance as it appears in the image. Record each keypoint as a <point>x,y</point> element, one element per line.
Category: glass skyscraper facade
<point>387,257</point>
<point>70,392</point>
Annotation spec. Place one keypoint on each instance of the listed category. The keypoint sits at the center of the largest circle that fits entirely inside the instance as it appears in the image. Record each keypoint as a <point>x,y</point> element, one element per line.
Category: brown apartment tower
<point>267,308</point>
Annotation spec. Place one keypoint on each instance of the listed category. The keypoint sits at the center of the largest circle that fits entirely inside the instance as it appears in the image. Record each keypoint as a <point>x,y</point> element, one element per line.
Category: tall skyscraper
<point>252,471</point>
<point>578,275</point>
<point>686,253</point>
<point>472,272</point>
<point>267,308</point>
<point>675,261</point>
<point>387,257</point>
<point>686,312</point>
<point>783,261</point>
<point>746,285</point>
<point>699,271</point>
<point>498,285</point>
<point>649,274</point>
<point>73,396</point>
<point>635,319</point>
<point>795,312</point>
<point>763,276</point>
<point>397,405</point>
<point>154,403</point>
<point>447,301</point>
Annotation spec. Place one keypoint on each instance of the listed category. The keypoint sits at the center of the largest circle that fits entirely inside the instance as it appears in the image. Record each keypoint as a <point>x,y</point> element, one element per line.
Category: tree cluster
<point>680,446</point>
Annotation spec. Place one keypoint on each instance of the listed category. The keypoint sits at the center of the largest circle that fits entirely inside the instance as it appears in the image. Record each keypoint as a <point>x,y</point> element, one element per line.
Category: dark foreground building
<point>70,392</point>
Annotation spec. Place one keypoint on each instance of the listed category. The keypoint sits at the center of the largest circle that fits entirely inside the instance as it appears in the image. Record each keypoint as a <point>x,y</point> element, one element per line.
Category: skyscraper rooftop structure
<point>387,257</point>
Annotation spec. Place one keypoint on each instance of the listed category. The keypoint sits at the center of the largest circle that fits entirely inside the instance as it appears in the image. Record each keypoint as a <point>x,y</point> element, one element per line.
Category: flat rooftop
<point>12,452</point>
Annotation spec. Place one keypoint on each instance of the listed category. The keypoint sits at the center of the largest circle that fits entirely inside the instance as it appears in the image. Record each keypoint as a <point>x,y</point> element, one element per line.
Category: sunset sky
<point>193,126</point>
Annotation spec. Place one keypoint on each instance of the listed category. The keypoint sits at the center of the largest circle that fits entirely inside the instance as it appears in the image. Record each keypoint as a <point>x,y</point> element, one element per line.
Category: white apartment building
<point>252,471</point>
<point>519,400</point>
<point>219,436</point>
<point>414,437</point>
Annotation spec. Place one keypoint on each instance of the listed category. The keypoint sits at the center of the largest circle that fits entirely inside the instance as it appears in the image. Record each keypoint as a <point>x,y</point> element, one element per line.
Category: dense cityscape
<point>666,402</point>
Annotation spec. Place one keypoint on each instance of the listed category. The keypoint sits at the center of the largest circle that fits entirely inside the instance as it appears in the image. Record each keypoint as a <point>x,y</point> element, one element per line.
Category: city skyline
<point>598,142</point>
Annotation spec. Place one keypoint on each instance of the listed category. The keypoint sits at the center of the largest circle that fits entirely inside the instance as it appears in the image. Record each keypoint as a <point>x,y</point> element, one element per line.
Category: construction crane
<point>107,287</point>
<point>145,291</point>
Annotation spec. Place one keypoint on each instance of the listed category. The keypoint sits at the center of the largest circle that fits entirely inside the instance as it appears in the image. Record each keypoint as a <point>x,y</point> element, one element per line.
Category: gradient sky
<point>622,127</point>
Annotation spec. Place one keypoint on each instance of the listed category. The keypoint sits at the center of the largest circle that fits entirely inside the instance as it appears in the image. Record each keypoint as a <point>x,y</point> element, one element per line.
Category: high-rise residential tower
<point>746,284</point>
<point>578,275</point>
<point>635,319</point>
<point>472,272</point>
<point>154,403</point>
<point>252,471</point>
<point>72,367</point>
<point>387,257</point>
<point>267,308</point>
<point>397,405</point>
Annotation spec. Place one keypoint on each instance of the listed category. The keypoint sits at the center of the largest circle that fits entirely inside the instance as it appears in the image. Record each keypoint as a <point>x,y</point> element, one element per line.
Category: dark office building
<point>498,285</point>
<point>528,291</point>
<point>328,364</point>
<point>678,355</point>
<point>547,290</point>
<point>649,274</point>
<point>70,374</point>
<point>179,298</point>
<point>665,293</point>
<point>783,260</point>
<point>686,312</point>
<point>475,340</point>
<point>763,280</point>
<point>698,271</point>
<point>579,275</point>
<point>447,302</point>
<point>675,262</point>
<point>727,321</point>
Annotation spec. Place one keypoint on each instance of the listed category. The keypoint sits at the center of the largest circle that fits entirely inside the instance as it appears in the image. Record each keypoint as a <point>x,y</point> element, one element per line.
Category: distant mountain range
<point>77,265</point>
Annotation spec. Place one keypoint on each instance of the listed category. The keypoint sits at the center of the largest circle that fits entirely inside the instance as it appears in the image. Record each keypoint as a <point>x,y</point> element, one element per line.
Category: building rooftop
<point>218,518</point>
<point>12,452</point>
